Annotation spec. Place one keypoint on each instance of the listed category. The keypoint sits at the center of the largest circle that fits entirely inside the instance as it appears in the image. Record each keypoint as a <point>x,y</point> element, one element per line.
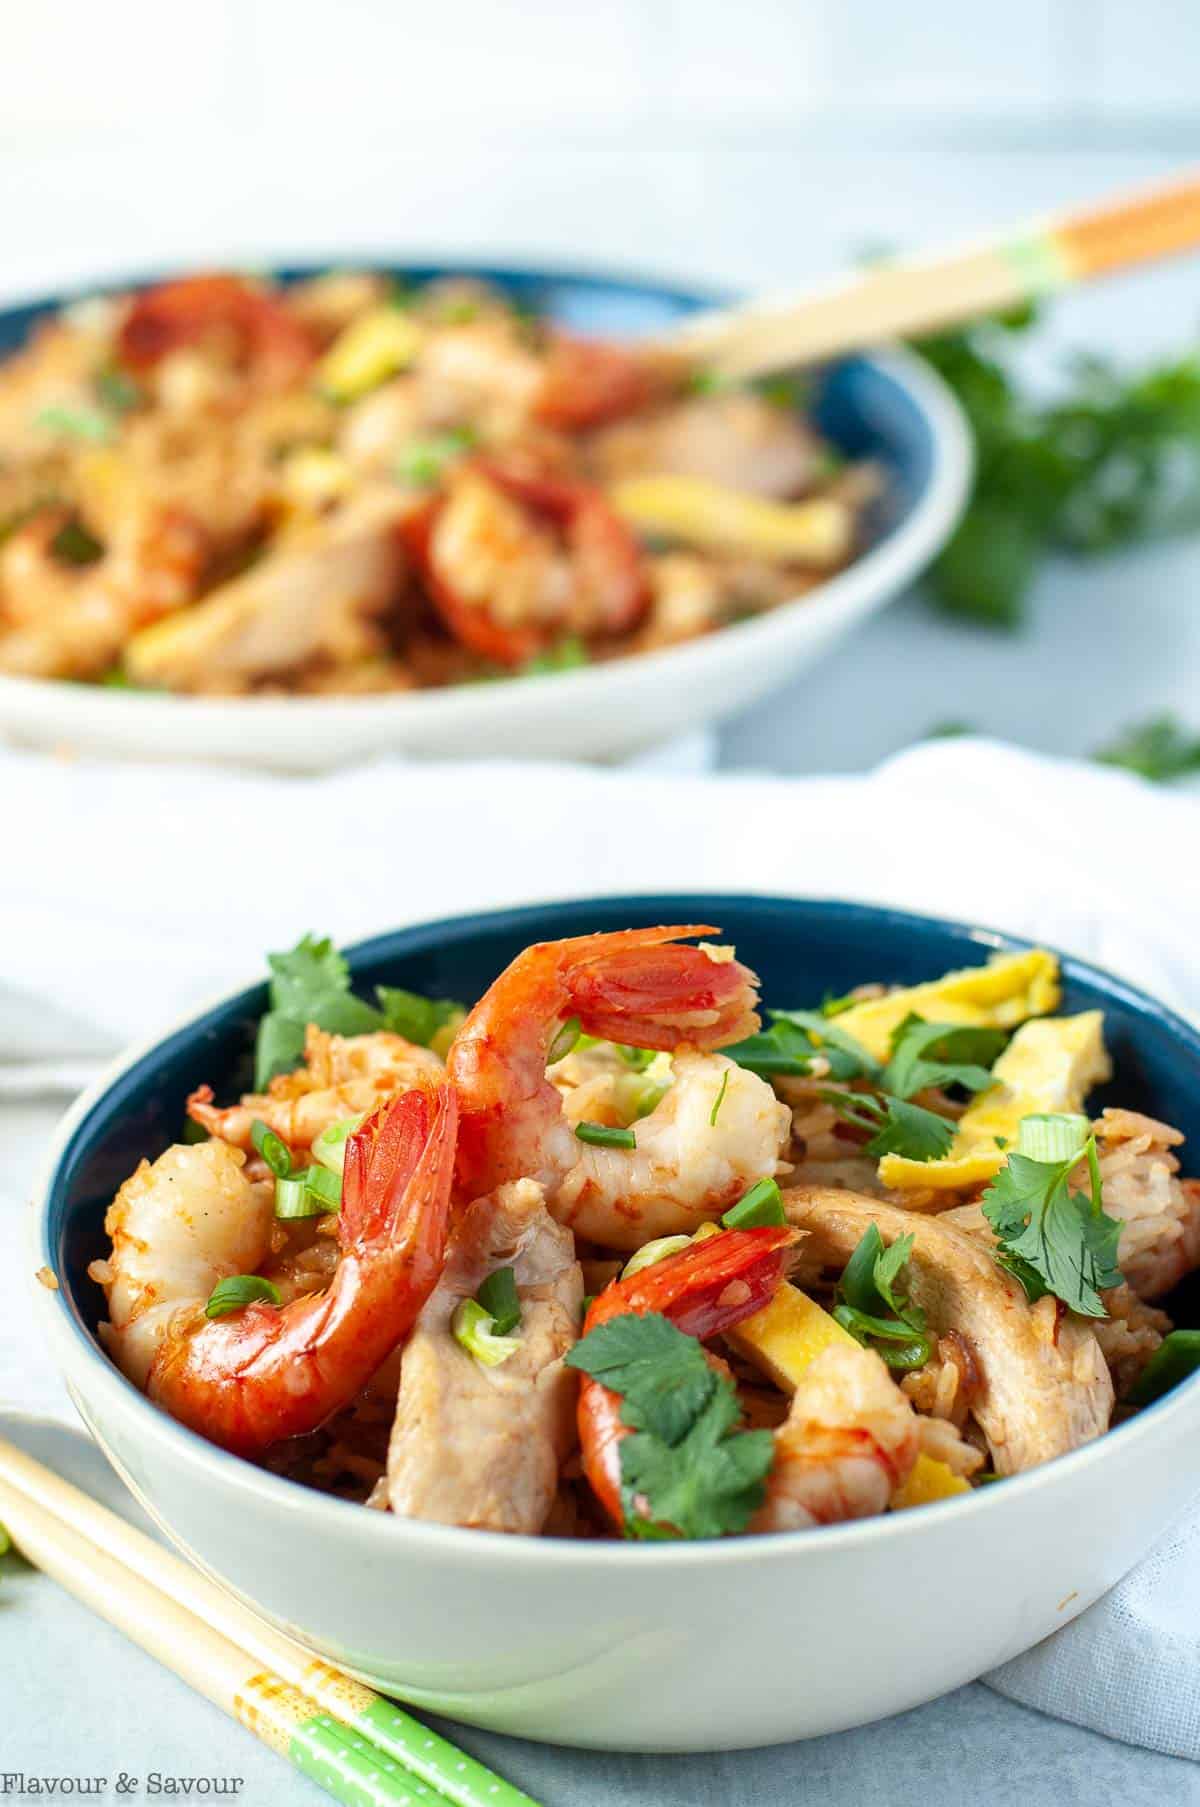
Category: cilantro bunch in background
<point>1114,459</point>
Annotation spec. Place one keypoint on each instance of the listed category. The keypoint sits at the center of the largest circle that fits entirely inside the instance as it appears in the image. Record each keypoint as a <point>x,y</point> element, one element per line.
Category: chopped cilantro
<point>1055,1240</point>
<point>686,1471</point>
<point>897,1127</point>
<point>876,1309</point>
<point>798,1037</point>
<point>1159,749</point>
<point>940,1054</point>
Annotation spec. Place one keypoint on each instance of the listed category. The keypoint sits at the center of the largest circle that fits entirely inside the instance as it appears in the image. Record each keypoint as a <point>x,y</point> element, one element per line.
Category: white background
<point>751,144</point>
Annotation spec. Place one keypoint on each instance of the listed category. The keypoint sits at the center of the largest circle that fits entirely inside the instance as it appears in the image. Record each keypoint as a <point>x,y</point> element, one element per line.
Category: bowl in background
<point>888,406</point>
<point>695,1646</point>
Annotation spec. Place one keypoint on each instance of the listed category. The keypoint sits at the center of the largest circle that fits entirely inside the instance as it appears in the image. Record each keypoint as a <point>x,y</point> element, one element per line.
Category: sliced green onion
<point>293,1198</point>
<point>763,1204</point>
<point>650,1252</point>
<point>1177,1356</point>
<point>472,1329</point>
<point>5,1541</point>
<point>897,1343</point>
<point>329,1147</point>
<point>637,1058</point>
<point>75,423</point>
<point>720,1099</point>
<point>325,1187</point>
<point>1053,1137</point>
<point>240,1289</point>
<point>499,1298</point>
<point>564,1041</point>
<point>273,1149</point>
<point>603,1135</point>
<point>637,1094</point>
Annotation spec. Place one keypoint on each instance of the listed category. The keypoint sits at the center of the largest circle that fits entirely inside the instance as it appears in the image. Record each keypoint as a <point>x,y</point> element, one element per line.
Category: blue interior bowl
<point>858,403</point>
<point>800,948</point>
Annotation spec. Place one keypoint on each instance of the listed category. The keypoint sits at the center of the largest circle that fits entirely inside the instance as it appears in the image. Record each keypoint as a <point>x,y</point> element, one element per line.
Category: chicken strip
<point>318,595</point>
<point>1045,1387</point>
<point>478,1446</point>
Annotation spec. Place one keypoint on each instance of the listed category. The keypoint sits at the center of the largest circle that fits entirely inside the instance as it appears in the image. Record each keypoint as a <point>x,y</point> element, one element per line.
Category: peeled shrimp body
<point>177,1227</point>
<point>686,1168</point>
<point>849,1440</point>
<point>636,986</point>
<point>342,1076</point>
<point>267,1372</point>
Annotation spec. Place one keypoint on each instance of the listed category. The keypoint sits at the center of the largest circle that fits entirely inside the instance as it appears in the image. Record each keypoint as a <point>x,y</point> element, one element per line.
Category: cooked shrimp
<point>177,1227</point>
<point>268,1372</point>
<point>342,1076</point>
<point>706,1288</point>
<point>588,382</point>
<point>269,346</point>
<point>483,1446</point>
<point>849,1440</point>
<point>717,1129</point>
<point>635,985</point>
<point>514,561</point>
<point>72,621</point>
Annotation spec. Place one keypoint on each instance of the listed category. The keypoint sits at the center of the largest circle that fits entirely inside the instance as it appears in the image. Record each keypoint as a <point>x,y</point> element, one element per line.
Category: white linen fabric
<point>131,895</point>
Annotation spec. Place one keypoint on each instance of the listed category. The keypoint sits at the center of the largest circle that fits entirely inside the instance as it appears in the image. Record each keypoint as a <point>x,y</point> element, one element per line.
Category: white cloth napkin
<point>130,895</point>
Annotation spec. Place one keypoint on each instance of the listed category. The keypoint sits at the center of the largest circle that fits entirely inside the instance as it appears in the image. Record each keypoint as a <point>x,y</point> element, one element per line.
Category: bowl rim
<point>383,1531</point>
<point>896,558</point>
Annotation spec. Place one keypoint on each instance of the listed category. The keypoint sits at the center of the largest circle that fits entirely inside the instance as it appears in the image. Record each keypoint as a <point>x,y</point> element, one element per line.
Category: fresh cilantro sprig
<point>1055,1240</point>
<point>797,1039</point>
<point>1160,749</point>
<point>872,1302</point>
<point>685,1470</point>
<point>1115,459</point>
<point>925,1054</point>
<point>896,1126</point>
<point>311,984</point>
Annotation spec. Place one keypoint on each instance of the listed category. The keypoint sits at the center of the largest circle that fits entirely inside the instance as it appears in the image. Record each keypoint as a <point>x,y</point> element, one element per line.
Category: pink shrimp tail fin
<point>399,1162</point>
<point>644,988</point>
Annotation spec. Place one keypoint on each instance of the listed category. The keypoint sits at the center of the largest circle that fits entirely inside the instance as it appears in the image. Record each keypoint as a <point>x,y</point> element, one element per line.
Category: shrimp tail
<point>660,996</point>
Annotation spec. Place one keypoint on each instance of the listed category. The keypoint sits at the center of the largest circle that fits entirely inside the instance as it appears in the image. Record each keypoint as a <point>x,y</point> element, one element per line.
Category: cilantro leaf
<point>659,1370</point>
<point>686,1471</point>
<point>1052,1239</point>
<point>798,1037</point>
<point>707,1485</point>
<point>309,984</point>
<point>897,1126</point>
<point>940,1054</point>
<point>416,1018</point>
<point>1159,750</point>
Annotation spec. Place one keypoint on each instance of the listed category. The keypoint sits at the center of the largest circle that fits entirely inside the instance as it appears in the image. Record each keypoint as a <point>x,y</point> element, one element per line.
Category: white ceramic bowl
<point>890,406</point>
<point>635,1646</point>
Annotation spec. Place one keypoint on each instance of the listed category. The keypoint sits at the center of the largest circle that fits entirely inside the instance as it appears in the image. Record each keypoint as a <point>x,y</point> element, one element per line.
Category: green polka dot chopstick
<point>360,1748</point>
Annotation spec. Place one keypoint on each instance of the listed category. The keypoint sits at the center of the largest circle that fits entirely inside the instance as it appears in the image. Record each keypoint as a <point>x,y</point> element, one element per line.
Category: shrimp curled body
<point>266,1372</point>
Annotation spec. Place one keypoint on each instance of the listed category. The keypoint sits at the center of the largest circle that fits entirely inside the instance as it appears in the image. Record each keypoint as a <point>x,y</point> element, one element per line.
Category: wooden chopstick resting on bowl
<point>902,298</point>
<point>351,1741</point>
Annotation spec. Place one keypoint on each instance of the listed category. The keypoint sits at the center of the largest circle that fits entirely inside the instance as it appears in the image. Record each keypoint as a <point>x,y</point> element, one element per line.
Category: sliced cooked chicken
<point>479,1446</point>
<point>738,440</point>
<point>319,595</point>
<point>1045,1385</point>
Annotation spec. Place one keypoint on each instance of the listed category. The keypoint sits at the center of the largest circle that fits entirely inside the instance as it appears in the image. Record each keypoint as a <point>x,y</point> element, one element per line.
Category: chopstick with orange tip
<point>905,297</point>
<point>356,1745</point>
